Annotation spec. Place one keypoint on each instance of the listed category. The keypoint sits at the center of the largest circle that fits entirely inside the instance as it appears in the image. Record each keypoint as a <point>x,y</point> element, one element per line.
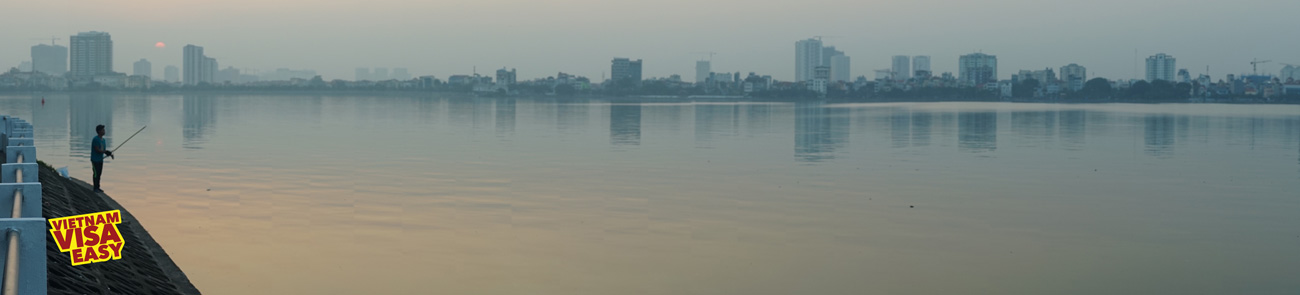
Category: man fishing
<point>97,152</point>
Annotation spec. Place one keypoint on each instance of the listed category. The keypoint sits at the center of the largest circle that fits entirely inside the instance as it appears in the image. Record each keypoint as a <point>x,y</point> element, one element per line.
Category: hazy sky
<point>540,38</point>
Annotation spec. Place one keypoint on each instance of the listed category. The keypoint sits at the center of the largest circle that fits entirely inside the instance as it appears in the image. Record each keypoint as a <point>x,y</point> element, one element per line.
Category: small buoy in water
<point>209,189</point>
<point>911,206</point>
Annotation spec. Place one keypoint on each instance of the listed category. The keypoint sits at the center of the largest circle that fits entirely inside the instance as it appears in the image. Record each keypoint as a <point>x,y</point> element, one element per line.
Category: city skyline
<point>298,38</point>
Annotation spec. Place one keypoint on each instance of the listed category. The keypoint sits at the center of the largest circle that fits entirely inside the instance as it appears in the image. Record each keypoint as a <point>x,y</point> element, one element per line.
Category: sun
<point>160,45</point>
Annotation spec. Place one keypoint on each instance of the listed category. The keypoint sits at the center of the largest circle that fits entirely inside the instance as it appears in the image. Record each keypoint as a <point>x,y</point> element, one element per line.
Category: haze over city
<point>580,37</point>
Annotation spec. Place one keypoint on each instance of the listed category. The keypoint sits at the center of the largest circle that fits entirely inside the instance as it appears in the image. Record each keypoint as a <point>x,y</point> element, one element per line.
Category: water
<point>300,194</point>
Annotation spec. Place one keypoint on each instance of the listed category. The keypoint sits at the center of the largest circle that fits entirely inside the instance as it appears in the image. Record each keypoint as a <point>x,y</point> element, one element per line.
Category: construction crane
<point>1254,65</point>
<point>710,53</point>
<point>52,39</point>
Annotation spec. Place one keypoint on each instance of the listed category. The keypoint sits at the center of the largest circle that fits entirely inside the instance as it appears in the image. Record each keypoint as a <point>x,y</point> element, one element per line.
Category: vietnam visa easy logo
<point>89,238</point>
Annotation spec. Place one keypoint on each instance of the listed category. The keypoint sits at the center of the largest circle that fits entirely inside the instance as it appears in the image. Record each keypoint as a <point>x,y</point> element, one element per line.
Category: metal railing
<point>24,260</point>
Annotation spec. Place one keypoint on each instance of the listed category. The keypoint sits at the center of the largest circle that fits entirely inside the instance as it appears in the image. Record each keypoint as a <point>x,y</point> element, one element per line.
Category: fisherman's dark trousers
<point>99,169</point>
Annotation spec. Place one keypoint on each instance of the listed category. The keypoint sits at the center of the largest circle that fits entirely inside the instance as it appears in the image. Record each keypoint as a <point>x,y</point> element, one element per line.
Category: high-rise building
<point>840,68</point>
<point>1160,67</point>
<point>977,68</point>
<point>210,69</point>
<point>1074,76</point>
<point>901,68</point>
<point>92,54</point>
<point>363,74</point>
<point>625,69</point>
<point>702,71</point>
<point>827,53</point>
<point>194,63</point>
<point>172,74</point>
<point>401,74</point>
<point>50,59</point>
<point>1290,72</point>
<point>807,56</point>
<point>143,68</point>
<point>505,77</point>
<point>921,66</point>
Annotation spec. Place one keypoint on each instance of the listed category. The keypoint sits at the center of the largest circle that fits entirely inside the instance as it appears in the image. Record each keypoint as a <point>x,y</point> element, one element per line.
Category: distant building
<point>1160,67</point>
<point>143,68</point>
<point>977,69</point>
<point>172,74</point>
<point>209,69</point>
<point>807,56</point>
<point>193,63</point>
<point>1184,76</point>
<point>363,74</point>
<point>401,74</point>
<point>380,74</point>
<point>821,76</point>
<point>902,70</point>
<point>92,54</point>
<point>1074,76</point>
<point>228,75</point>
<point>625,69</point>
<point>840,68</point>
<point>921,66</point>
<point>25,66</point>
<point>50,59</point>
<point>702,70</point>
<point>505,77</point>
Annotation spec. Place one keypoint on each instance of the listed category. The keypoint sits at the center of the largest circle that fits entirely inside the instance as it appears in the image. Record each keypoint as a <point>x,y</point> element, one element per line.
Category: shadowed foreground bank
<point>144,268</point>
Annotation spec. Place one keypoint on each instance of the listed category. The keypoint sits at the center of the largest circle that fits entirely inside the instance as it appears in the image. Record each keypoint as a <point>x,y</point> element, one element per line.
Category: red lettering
<point>76,256</point>
<point>99,218</point>
<point>92,235</point>
<point>109,234</point>
<point>103,252</point>
<point>114,217</point>
<point>90,255</point>
<point>63,238</point>
<point>117,249</point>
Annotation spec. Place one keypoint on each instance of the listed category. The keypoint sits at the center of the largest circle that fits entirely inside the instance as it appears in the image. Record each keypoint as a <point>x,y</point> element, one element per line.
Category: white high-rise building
<point>92,54</point>
<point>1074,76</point>
<point>901,68</point>
<point>977,68</point>
<point>921,66</point>
<point>807,57</point>
<point>840,68</point>
<point>193,64</point>
<point>702,71</point>
<point>1160,67</point>
<point>143,68</point>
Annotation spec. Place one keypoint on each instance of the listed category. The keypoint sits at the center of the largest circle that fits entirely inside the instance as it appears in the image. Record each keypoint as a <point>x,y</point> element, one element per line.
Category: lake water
<point>300,194</point>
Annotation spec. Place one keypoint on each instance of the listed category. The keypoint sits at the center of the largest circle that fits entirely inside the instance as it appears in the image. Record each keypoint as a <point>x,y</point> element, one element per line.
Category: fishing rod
<point>127,139</point>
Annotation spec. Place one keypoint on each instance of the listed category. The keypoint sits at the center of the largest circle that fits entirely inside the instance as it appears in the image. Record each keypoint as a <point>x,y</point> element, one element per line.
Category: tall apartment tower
<point>702,70</point>
<point>807,57</point>
<point>921,66</point>
<point>92,54</point>
<point>977,68</point>
<point>623,68</point>
<point>1160,67</point>
<point>840,68</point>
<point>142,68</point>
<point>50,59</point>
<point>172,74</point>
<point>194,65</point>
<point>901,67</point>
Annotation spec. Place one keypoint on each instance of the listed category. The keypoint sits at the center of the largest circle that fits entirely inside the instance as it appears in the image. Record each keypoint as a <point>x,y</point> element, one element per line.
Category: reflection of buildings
<point>505,116</point>
<point>1038,127</point>
<point>625,124</point>
<point>1159,134</point>
<point>900,127</point>
<point>758,119</point>
<point>1073,127</point>
<point>85,111</point>
<point>818,131</point>
<point>198,117</point>
<point>50,119</point>
<point>977,131</point>
<point>715,121</point>
<point>921,121</point>
<point>571,116</point>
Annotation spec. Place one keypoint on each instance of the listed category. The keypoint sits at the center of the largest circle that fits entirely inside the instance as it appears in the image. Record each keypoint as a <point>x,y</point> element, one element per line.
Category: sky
<point>542,38</point>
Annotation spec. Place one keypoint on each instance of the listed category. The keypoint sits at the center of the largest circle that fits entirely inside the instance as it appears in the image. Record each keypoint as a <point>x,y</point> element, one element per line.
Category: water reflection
<point>505,116</point>
<point>819,131</point>
<point>900,131</point>
<point>977,131</point>
<point>1159,134</point>
<point>199,118</point>
<point>625,124</point>
<point>715,121</point>
<point>921,121</point>
<point>1073,128</point>
<point>85,111</point>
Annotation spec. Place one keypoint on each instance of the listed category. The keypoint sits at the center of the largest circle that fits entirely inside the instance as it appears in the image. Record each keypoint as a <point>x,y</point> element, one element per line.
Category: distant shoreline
<point>707,98</point>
